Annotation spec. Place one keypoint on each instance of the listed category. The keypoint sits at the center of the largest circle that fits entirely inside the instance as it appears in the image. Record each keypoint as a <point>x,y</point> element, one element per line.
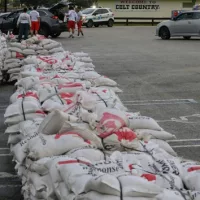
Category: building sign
<point>136,5</point>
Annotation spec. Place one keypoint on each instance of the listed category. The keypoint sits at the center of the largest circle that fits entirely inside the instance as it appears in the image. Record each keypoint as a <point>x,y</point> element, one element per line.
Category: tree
<point>193,2</point>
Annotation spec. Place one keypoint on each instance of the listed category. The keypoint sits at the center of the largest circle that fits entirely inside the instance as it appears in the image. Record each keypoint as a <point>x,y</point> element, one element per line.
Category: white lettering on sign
<point>137,5</point>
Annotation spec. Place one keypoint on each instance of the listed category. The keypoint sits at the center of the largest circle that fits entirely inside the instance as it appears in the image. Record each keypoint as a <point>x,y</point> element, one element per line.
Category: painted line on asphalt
<point>185,140</point>
<point>186,146</point>
<point>158,102</point>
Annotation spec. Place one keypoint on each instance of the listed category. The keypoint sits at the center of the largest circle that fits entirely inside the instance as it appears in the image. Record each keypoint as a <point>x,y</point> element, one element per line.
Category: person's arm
<point>29,20</point>
<point>19,19</point>
<point>38,16</point>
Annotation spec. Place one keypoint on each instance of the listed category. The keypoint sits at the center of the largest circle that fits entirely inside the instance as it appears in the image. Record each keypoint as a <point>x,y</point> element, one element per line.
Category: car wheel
<point>55,35</point>
<point>44,31</point>
<point>186,37</point>
<point>90,24</point>
<point>96,25</point>
<point>110,23</point>
<point>164,33</point>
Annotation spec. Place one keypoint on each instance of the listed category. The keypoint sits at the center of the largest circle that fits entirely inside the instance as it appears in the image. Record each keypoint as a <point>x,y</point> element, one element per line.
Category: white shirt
<point>24,18</point>
<point>72,16</point>
<point>79,15</point>
<point>34,15</point>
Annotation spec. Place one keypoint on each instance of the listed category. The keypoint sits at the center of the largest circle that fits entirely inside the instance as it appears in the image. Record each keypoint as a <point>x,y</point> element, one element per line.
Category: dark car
<point>51,21</point>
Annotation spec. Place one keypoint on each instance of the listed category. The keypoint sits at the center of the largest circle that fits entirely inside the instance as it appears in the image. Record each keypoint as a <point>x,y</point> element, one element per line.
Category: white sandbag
<point>28,82</point>
<point>12,61</point>
<point>15,49</point>
<point>134,186</point>
<point>191,175</point>
<point>52,145</point>
<point>15,138</point>
<point>142,122</point>
<point>54,122</point>
<point>43,52</point>
<point>19,151</point>
<point>164,145</point>
<point>52,45</point>
<point>119,137</point>
<point>29,52</point>
<point>56,50</point>
<point>169,194</point>
<point>14,70</point>
<point>28,116</point>
<point>22,107</point>
<point>110,120</point>
<point>153,134</point>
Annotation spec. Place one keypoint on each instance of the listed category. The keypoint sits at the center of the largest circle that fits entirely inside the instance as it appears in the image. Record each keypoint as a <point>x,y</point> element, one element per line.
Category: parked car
<point>186,24</point>
<point>52,22</point>
<point>4,14</point>
<point>98,16</point>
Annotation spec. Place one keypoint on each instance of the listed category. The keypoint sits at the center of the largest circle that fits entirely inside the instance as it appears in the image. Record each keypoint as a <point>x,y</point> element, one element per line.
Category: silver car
<point>187,24</point>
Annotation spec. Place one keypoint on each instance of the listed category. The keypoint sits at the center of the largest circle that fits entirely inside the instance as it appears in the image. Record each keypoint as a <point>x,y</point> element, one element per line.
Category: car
<point>98,16</point>
<point>186,24</point>
<point>4,14</point>
<point>51,21</point>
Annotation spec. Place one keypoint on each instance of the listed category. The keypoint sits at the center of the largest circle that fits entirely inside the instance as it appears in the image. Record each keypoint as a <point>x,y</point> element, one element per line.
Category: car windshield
<point>88,11</point>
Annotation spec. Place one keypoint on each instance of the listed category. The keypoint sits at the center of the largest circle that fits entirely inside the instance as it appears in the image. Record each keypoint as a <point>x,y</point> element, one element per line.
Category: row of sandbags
<point>3,50</point>
<point>72,138</point>
<point>17,52</point>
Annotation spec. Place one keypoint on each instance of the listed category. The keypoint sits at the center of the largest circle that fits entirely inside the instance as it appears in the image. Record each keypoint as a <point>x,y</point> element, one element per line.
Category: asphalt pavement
<point>161,79</point>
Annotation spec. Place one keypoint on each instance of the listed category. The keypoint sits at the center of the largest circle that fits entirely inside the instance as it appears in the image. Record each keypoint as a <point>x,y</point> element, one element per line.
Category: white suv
<point>98,16</point>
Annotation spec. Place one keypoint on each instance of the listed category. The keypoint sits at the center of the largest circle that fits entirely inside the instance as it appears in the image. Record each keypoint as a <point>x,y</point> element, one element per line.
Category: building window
<point>187,5</point>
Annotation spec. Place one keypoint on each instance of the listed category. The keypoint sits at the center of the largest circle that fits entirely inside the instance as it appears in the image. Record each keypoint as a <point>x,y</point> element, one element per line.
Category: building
<point>146,8</point>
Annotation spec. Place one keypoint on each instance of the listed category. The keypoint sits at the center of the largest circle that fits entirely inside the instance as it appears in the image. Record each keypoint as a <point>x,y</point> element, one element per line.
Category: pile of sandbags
<point>72,138</point>
<point>17,52</point>
<point>3,50</point>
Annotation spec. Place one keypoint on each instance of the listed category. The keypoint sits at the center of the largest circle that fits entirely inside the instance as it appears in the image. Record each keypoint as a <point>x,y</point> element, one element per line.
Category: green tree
<point>193,2</point>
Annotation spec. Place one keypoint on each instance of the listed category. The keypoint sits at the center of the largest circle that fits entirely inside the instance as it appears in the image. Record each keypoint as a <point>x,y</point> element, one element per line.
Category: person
<point>79,21</point>
<point>24,23</point>
<point>72,17</point>
<point>35,21</point>
<point>29,10</point>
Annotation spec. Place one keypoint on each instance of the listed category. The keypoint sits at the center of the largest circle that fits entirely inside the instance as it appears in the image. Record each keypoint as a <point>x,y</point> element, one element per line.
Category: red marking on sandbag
<point>108,121</point>
<point>104,91</point>
<point>39,70</point>
<point>19,55</point>
<point>72,162</point>
<point>28,94</point>
<point>149,177</point>
<point>40,112</point>
<point>125,134</point>
<point>48,59</point>
<point>66,95</point>
<point>131,167</point>
<point>69,85</point>
<point>191,169</point>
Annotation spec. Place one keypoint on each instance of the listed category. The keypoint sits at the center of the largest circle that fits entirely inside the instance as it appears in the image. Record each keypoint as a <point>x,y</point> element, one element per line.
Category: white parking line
<point>186,146</point>
<point>185,140</point>
<point>159,102</point>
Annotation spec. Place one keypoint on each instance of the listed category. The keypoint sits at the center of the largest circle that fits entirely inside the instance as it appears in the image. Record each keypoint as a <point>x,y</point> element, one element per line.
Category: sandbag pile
<point>17,52</point>
<point>3,50</point>
<point>72,138</point>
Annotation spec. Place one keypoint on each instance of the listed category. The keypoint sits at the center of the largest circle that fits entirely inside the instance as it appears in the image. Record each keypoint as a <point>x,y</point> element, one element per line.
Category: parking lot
<point>159,78</point>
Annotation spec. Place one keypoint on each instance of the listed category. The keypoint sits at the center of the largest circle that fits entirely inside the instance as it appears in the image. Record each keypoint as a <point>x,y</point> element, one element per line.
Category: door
<point>182,25</point>
<point>105,15</point>
<point>97,16</point>
<point>9,23</point>
<point>196,23</point>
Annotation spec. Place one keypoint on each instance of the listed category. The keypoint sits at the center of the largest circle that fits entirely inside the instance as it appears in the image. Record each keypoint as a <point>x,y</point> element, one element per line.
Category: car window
<point>185,16</point>
<point>196,15</point>
<point>88,11</point>
<point>13,15</point>
<point>42,13</point>
<point>110,10</point>
<point>104,11</point>
<point>97,12</point>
